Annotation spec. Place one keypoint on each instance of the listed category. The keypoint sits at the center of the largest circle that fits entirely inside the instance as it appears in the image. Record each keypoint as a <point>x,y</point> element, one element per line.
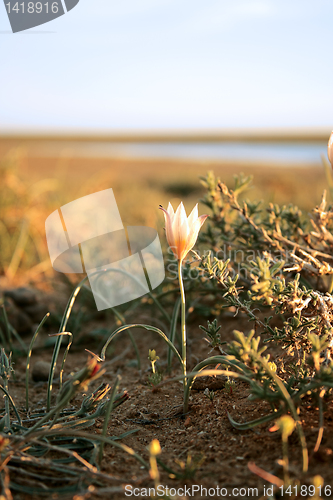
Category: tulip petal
<point>193,236</point>
<point>330,149</point>
<point>201,220</point>
<point>171,211</point>
<point>168,229</point>
<point>193,216</point>
<point>180,230</point>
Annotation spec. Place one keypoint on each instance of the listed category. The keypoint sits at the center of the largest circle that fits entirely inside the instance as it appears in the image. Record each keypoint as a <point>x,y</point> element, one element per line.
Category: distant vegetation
<point>33,186</point>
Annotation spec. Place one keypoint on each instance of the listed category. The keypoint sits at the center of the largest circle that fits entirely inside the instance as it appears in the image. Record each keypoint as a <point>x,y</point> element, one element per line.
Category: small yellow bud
<point>272,366</point>
<point>286,426</point>
<point>152,355</point>
<point>317,481</point>
<point>155,447</point>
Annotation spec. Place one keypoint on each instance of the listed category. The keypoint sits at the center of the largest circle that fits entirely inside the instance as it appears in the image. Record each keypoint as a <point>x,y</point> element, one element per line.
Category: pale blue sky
<point>171,64</point>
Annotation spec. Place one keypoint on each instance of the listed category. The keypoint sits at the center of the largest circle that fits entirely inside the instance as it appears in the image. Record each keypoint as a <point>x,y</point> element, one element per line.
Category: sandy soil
<point>204,432</point>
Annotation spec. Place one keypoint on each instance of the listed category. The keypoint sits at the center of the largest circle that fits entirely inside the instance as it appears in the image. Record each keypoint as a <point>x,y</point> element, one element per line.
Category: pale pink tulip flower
<point>182,231</point>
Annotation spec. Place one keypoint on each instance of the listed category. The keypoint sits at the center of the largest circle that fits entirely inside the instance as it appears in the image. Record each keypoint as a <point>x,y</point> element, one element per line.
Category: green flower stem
<point>183,325</point>
<point>173,330</point>
<point>285,460</point>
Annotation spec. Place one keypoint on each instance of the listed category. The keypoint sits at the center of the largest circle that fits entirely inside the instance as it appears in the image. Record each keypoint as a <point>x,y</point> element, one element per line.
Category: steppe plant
<point>155,377</point>
<point>182,234</point>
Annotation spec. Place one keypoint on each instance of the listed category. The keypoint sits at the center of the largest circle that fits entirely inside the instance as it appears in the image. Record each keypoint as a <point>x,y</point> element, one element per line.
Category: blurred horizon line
<point>170,135</point>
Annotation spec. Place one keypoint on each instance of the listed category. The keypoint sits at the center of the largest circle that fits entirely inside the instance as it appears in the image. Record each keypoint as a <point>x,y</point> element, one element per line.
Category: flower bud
<point>81,380</point>
<point>286,426</point>
<point>155,448</point>
<point>118,400</point>
<point>5,364</point>
<point>91,402</point>
<point>152,355</point>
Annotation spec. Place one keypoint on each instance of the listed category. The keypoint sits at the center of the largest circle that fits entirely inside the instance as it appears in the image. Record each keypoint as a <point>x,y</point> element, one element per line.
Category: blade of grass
<point>107,415</point>
<point>10,399</point>
<point>253,423</point>
<point>27,366</point>
<point>57,346</point>
<point>70,341</point>
<point>95,437</point>
<point>137,325</point>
